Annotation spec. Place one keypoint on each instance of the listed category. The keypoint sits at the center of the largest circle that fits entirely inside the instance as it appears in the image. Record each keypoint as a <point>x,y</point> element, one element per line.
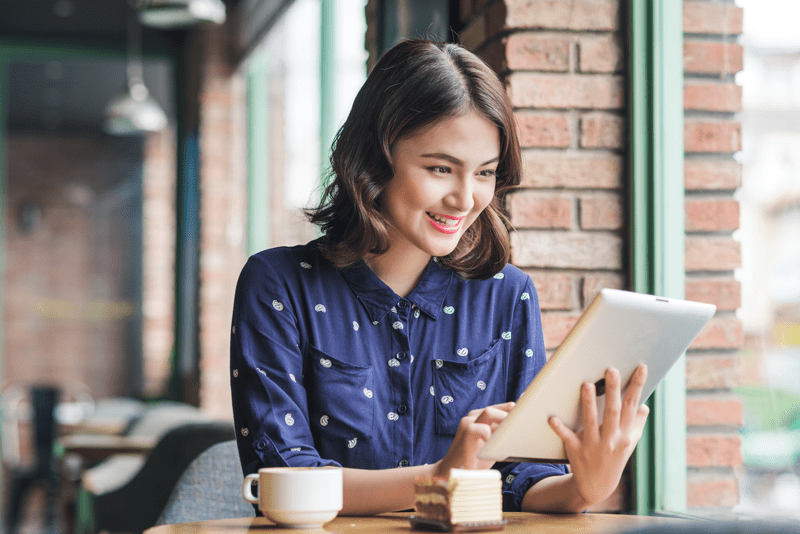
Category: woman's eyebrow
<point>455,161</point>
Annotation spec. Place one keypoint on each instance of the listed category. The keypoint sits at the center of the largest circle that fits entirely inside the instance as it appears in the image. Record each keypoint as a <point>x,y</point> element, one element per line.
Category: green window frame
<point>655,152</point>
<point>258,187</point>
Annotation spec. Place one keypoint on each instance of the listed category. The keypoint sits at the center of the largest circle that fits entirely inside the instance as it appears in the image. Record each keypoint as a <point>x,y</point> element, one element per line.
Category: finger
<point>591,428</point>
<point>479,432</point>
<point>633,397</point>
<point>491,416</point>
<point>638,426</point>
<point>570,439</point>
<point>613,403</point>
<point>506,406</point>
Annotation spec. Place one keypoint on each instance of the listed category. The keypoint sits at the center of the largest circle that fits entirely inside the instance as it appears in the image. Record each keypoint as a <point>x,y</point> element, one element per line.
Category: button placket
<point>402,425</point>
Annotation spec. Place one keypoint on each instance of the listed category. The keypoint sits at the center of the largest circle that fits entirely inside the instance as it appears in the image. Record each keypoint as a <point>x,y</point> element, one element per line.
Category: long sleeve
<point>527,356</point>
<point>269,398</point>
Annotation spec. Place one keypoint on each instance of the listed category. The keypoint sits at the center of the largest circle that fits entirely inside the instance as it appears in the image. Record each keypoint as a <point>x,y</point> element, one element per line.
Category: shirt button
<point>402,409</point>
<point>401,355</point>
<point>402,463</point>
<point>401,304</point>
<point>261,446</point>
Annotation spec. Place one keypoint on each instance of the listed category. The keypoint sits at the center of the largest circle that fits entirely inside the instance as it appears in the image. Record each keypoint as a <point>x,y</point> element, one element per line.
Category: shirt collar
<point>378,298</point>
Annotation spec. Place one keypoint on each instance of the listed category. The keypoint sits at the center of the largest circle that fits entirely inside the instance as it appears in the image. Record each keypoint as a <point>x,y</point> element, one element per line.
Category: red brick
<point>711,490</point>
<point>556,326</point>
<point>711,215</point>
<point>534,209</point>
<point>712,96</point>
<point>712,254</point>
<point>566,91</point>
<point>554,290</point>
<point>567,250</point>
<point>725,410</point>
<point>600,54</point>
<point>592,284</point>
<point>720,333</point>
<point>707,57</point>
<point>543,130</point>
<point>595,15</point>
<point>714,450</point>
<point>705,175</point>
<point>602,130</point>
<point>530,51</point>
<point>573,170</point>
<point>712,17</point>
<point>714,371</point>
<point>712,136</point>
<point>724,293</point>
<point>601,212</point>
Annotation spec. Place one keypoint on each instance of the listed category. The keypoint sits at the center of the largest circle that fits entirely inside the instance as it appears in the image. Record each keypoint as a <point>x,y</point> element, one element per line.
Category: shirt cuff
<point>518,479</point>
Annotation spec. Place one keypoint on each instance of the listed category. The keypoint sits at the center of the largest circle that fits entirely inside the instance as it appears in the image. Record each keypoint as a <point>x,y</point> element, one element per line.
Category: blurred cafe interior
<point>147,147</point>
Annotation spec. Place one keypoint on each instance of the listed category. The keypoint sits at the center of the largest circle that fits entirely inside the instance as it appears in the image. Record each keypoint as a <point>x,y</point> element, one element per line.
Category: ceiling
<point>67,59</point>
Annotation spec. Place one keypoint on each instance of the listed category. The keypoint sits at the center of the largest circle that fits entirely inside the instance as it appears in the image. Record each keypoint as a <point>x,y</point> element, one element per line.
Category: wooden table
<point>518,523</point>
<point>100,447</point>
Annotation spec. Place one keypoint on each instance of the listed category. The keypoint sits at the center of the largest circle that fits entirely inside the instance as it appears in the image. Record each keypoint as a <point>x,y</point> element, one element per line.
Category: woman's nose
<point>461,197</point>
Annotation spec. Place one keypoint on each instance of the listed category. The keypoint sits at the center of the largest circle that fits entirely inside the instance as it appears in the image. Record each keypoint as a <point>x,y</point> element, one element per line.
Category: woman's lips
<point>445,223</point>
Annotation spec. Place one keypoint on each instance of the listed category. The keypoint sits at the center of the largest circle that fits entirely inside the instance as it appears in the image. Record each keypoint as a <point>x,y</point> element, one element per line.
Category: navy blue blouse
<point>331,367</point>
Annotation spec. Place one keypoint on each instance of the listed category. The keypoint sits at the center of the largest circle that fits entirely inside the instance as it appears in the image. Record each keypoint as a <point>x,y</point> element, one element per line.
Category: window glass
<point>770,274</point>
<point>290,59</point>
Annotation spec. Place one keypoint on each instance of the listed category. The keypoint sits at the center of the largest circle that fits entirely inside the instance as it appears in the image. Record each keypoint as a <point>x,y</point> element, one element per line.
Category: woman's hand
<point>473,431</point>
<point>598,453</point>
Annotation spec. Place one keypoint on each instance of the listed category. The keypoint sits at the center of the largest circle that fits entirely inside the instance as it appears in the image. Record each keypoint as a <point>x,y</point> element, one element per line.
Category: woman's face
<point>444,177</point>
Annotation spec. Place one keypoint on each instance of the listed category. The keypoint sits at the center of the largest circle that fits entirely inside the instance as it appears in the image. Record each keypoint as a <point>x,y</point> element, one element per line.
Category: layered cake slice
<point>466,499</point>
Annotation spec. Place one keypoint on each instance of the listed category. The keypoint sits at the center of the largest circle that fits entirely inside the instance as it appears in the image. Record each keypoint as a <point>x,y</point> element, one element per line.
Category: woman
<point>397,342</point>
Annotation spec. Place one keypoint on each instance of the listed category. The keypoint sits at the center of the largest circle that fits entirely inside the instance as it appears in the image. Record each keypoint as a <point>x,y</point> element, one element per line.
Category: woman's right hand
<point>473,432</point>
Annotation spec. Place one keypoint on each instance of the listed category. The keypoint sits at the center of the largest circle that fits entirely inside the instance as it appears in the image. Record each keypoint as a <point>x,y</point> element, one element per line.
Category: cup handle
<point>247,488</point>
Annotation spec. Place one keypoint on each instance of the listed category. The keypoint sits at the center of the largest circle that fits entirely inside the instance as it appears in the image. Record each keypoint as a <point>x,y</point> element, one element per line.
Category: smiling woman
<point>401,338</point>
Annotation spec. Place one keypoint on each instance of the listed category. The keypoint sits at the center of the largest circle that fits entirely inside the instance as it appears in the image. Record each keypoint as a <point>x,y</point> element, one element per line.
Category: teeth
<point>442,220</point>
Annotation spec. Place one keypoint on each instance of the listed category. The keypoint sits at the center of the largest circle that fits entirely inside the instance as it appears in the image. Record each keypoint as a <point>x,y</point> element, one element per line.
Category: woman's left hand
<point>598,453</point>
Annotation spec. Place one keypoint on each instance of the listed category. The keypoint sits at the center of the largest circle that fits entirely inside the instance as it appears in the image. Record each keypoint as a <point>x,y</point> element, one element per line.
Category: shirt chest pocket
<point>460,387</point>
<point>341,403</point>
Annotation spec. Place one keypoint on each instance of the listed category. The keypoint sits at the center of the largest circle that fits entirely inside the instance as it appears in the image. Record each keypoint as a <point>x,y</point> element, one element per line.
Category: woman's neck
<point>398,269</point>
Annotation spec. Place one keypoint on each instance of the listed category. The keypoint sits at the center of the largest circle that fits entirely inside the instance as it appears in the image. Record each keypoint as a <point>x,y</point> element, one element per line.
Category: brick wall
<point>66,309</point>
<point>711,56</point>
<point>223,211</point>
<point>158,260</point>
<point>564,65</point>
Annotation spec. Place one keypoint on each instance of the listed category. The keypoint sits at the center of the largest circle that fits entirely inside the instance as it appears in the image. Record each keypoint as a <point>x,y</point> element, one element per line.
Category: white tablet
<point>619,329</point>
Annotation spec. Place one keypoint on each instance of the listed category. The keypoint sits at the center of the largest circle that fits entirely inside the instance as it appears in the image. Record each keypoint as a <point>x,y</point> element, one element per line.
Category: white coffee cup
<point>296,497</point>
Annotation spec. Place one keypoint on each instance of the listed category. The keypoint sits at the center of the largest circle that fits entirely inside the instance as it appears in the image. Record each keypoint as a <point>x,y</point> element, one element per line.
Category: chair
<point>211,488</point>
<point>136,503</point>
<point>42,471</point>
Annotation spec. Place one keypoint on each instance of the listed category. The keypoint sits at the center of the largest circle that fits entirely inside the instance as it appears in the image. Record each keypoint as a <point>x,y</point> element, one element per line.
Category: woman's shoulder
<point>286,264</point>
<point>307,256</point>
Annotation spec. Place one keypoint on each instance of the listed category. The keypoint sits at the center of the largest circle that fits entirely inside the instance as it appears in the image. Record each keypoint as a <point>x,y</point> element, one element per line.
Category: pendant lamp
<point>167,14</point>
<point>134,110</point>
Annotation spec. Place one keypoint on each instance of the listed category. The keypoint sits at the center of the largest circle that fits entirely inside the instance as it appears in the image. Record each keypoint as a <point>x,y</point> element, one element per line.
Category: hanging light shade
<point>134,111</point>
<point>167,14</point>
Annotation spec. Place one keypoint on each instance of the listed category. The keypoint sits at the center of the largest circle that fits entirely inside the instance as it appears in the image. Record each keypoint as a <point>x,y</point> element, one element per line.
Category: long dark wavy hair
<point>415,84</point>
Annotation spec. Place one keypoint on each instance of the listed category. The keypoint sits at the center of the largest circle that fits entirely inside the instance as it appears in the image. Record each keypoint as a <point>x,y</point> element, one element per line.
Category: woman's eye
<point>488,173</point>
<point>439,169</point>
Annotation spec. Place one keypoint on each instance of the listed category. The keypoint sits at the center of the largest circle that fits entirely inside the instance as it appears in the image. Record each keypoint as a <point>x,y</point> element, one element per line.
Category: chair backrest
<point>210,488</point>
<point>137,505</point>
